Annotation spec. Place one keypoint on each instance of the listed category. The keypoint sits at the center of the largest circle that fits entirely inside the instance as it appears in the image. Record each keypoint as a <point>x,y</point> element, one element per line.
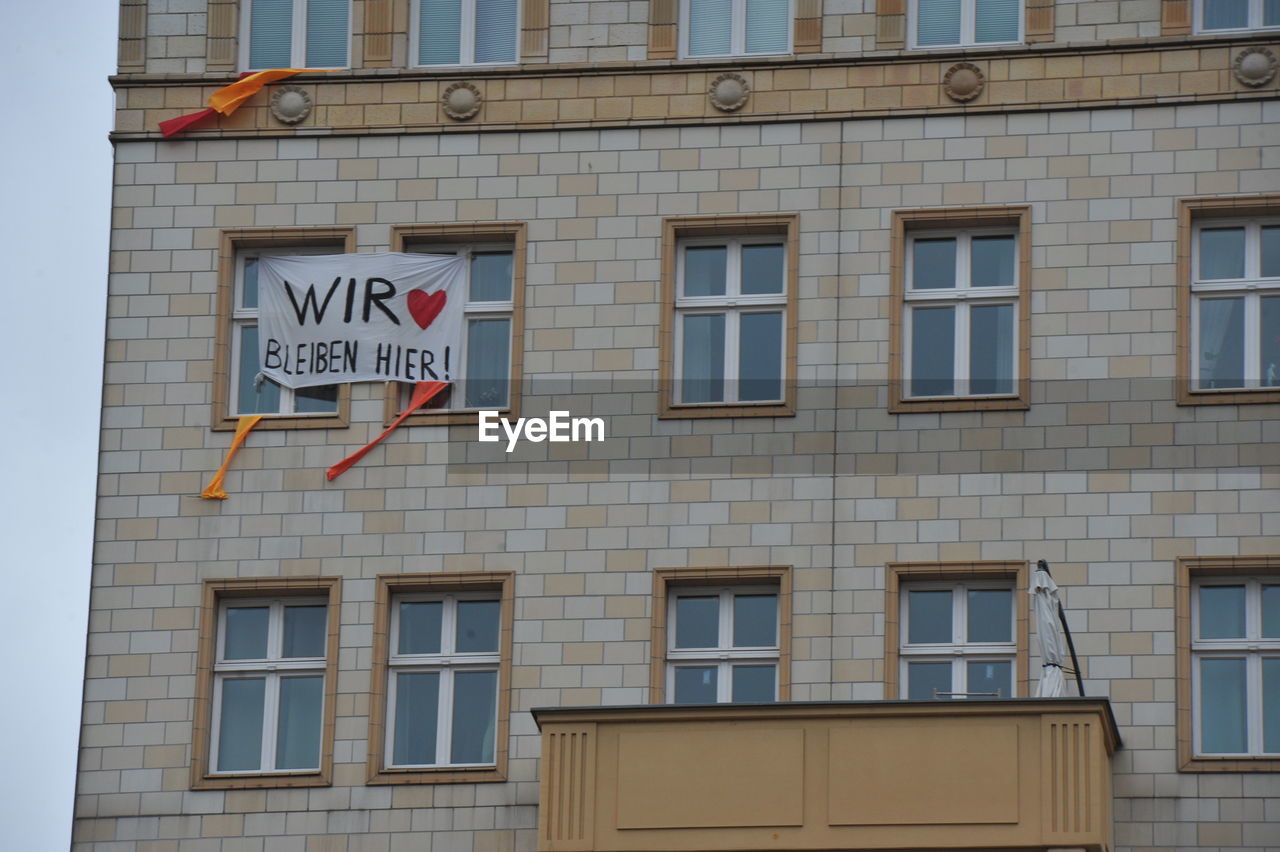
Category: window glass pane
<point>491,276</point>
<point>696,685</point>
<point>1271,611</point>
<point>321,399</point>
<point>763,269</point>
<point>271,34</point>
<point>240,724</point>
<point>1221,612</point>
<point>704,270</point>
<point>760,357</point>
<point>1271,13</point>
<point>702,370</point>
<point>495,30</point>
<point>933,264</point>
<point>417,707</point>
<point>327,30</point>
<point>924,678</point>
<point>768,24</point>
<point>249,284</point>
<point>754,683</point>
<point>246,637</point>
<point>755,621</point>
<point>420,627</point>
<point>478,626</point>
<point>1222,706</point>
<point>1221,253</point>
<point>1269,347</point>
<point>1221,343</point>
<point>439,35</point>
<point>933,351</point>
<point>991,615</point>
<point>697,622</point>
<point>997,20</point>
<point>990,676</point>
<point>937,22</point>
<point>1271,705</point>
<point>709,27</point>
<point>304,631</point>
<point>475,714</point>
<point>488,362</point>
<point>264,398</point>
<point>1225,14</point>
<point>991,261</point>
<point>991,349</point>
<point>929,616</point>
<point>1271,240</point>
<point>298,737</point>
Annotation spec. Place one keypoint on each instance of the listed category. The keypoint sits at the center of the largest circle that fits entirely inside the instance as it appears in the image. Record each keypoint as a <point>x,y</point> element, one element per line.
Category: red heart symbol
<point>425,307</point>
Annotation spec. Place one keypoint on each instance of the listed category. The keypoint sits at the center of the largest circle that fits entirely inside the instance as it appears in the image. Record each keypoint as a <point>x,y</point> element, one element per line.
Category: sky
<point>55,198</point>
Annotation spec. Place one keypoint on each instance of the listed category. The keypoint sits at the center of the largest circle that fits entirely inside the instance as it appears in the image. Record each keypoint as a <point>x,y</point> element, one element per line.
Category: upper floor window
<point>1223,15</point>
<point>465,32</point>
<point>958,640</point>
<point>735,27</point>
<point>722,645</point>
<point>965,23</point>
<point>296,33</point>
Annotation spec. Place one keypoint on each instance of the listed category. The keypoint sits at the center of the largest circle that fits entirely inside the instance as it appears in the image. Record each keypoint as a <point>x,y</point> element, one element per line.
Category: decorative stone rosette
<point>1255,66</point>
<point>290,104</point>
<point>461,101</point>
<point>729,92</point>
<point>963,82</point>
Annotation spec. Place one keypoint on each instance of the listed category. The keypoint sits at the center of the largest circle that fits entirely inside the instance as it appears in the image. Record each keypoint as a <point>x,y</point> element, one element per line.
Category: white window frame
<point>446,663</point>
<point>737,33</point>
<point>1252,647</point>
<point>242,318</point>
<point>733,304</point>
<point>1254,25</point>
<point>968,27</point>
<point>1252,287</point>
<point>298,36</point>
<point>471,310</point>
<point>466,37</point>
<point>273,668</point>
<point>724,656</point>
<point>958,651</point>
<point>962,297</point>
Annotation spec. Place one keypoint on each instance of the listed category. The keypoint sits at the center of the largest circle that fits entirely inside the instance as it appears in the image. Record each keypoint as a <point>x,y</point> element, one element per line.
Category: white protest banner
<point>333,318</point>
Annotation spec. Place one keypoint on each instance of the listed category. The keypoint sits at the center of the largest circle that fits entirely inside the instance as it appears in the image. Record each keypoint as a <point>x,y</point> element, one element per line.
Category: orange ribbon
<point>227,99</point>
<point>422,393</point>
<point>213,491</point>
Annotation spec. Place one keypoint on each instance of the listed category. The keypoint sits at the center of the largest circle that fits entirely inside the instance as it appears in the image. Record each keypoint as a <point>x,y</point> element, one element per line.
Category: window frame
<point>392,588</point>
<point>725,655</point>
<point>957,652</point>
<point>678,232</point>
<point>298,37</point>
<point>968,25</point>
<point>216,595</point>
<point>1255,25</point>
<point>489,235</point>
<point>1011,574</point>
<point>230,263</point>
<point>737,33</point>
<point>908,225</point>
<point>1195,214</point>
<point>670,583</point>
<point>466,49</point>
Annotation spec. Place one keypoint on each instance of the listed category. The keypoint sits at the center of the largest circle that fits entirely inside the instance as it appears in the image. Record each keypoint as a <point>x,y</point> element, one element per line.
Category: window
<point>296,33</point>
<point>735,27</point>
<point>443,669</point>
<point>956,630</point>
<point>963,23</point>
<point>492,332</point>
<point>1223,15</point>
<point>265,708</point>
<point>725,635</point>
<point>240,389</point>
<point>732,333</point>
<point>964,312</point>
<point>466,32</point>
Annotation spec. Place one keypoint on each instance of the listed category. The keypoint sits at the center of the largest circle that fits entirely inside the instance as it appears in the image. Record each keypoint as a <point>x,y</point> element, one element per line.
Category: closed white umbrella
<point>1044,595</point>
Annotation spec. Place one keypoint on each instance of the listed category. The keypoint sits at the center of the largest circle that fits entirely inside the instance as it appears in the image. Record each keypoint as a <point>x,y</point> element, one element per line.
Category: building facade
<point>879,302</point>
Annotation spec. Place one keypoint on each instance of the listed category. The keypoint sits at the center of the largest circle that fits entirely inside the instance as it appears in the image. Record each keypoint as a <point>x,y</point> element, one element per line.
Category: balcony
<point>977,774</point>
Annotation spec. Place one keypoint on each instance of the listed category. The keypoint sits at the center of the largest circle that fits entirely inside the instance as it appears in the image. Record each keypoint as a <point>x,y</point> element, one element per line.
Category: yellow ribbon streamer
<point>213,491</point>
